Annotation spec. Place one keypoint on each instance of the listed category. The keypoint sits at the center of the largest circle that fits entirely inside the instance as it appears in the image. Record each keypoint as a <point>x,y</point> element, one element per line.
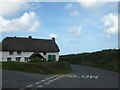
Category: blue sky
<point>78,27</point>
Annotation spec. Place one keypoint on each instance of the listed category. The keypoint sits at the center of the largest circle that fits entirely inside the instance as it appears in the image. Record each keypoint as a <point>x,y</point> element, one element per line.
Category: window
<point>44,53</point>
<point>9,59</point>
<point>26,59</point>
<point>10,52</point>
<point>18,52</point>
<point>51,57</point>
<point>18,59</point>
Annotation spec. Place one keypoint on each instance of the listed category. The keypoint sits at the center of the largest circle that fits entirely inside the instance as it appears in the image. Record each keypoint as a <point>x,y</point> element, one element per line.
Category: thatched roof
<point>29,44</point>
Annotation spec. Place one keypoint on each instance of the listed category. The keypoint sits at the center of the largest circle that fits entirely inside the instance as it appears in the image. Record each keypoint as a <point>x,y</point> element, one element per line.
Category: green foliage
<point>37,60</point>
<point>42,68</point>
<point>106,59</point>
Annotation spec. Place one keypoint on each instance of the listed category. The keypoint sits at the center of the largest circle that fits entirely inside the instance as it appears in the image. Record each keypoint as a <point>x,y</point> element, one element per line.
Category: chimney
<point>53,38</point>
<point>30,37</point>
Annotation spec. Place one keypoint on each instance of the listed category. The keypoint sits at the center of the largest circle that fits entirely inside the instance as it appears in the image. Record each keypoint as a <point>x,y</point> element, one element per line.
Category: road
<point>81,77</point>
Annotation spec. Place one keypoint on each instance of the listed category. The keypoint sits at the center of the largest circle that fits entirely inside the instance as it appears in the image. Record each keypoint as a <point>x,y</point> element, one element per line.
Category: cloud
<point>91,4</point>
<point>110,22</point>
<point>10,8</point>
<point>75,31</point>
<point>69,6</point>
<point>53,35</point>
<point>14,1</point>
<point>88,3</point>
<point>26,23</point>
<point>75,13</point>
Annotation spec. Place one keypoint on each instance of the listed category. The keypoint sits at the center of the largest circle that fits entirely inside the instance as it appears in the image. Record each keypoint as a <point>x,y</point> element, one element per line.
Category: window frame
<point>51,57</point>
<point>19,52</point>
<point>11,53</point>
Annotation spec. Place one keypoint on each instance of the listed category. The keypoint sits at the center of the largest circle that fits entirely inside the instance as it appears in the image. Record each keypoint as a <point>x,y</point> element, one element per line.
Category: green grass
<point>105,59</point>
<point>42,67</point>
<point>112,66</point>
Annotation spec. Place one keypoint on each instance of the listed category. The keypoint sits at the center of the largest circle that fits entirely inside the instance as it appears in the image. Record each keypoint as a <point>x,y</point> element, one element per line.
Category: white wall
<point>5,55</point>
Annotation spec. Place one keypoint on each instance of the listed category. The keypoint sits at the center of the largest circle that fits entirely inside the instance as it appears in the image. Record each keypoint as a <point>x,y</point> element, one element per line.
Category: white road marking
<point>39,86</point>
<point>29,86</point>
<point>47,78</point>
<point>60,76</point>
<point>43,80</point>
<point>75,76</point>
<point>71,76</point>
<point>68,75</point>
<point>53,76</point>
<point>51,81</point>
<point>82,76</point>
<point>55,79</point>
<point>37,83</point>
<point>46,83</point>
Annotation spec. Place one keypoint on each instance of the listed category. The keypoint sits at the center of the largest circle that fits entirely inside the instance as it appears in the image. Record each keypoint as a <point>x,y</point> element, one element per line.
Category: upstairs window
<point>18,52</point>
<point>10,52</point>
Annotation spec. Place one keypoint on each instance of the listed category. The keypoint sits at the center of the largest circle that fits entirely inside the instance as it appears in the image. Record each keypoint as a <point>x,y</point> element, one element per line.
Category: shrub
<point>105,59</point>
<point>43,68</point>
<point>37,60</point>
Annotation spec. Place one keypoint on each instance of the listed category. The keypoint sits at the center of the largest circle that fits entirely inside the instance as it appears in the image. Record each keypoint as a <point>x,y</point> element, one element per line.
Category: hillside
<point>106,59</point>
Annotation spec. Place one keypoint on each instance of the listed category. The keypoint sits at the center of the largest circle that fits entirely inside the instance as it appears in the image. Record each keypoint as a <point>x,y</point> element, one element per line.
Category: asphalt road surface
<point>81,77</point>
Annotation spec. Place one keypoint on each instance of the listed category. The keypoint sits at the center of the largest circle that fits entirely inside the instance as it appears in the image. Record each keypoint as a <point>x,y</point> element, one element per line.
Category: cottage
<point>23,49</point>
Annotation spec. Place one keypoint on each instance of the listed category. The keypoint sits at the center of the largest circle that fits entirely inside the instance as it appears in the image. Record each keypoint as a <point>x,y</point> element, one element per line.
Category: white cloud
<point>75,13</point>
<point>14,1</point>
<point>10,8</point>
<point>110,22</point>
<point>76,31</point>
<point>91,4</point>
<point>69,6</point>
<point>26,23</point>
<point>88,3</point>
<point>53,35</point>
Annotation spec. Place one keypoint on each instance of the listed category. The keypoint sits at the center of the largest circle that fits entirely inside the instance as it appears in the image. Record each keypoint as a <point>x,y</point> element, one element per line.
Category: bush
<point>105,59</point>
<point>36,60</point>
<point>43,68</point>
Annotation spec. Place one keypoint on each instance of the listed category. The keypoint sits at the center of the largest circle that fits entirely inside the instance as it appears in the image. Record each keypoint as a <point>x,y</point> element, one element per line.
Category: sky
<point>77,26</point>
